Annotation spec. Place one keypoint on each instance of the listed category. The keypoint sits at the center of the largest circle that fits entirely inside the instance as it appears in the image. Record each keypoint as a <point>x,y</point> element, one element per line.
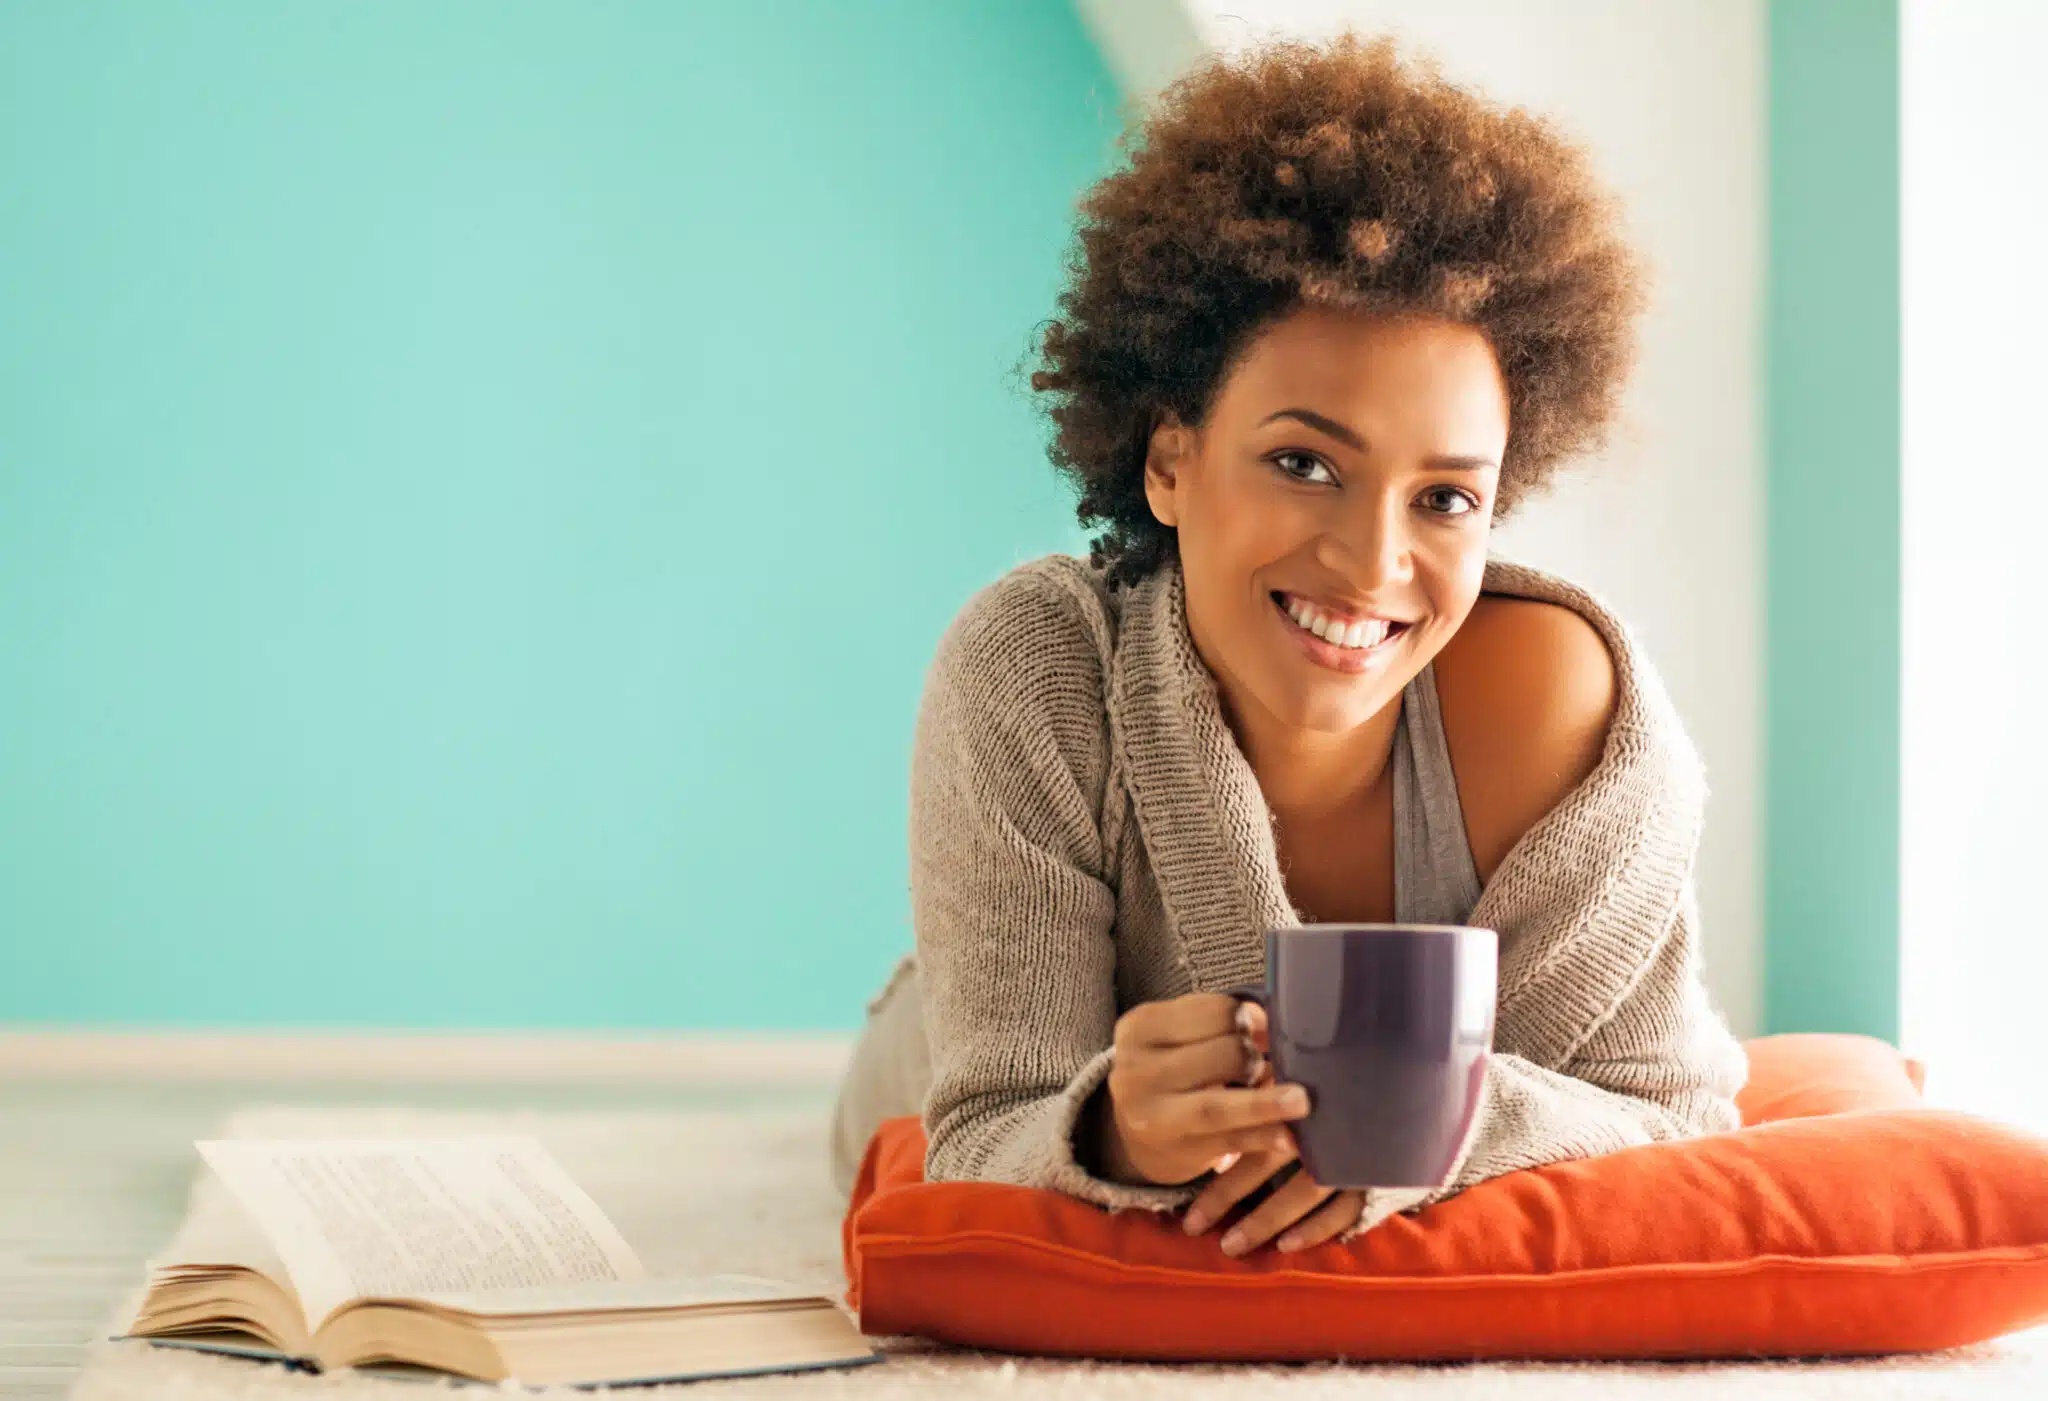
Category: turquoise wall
<point>1832,509</point>
<point>480,484</point>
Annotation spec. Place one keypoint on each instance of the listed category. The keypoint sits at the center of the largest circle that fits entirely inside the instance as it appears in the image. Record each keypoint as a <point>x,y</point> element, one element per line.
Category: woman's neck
<point>1306,774</point>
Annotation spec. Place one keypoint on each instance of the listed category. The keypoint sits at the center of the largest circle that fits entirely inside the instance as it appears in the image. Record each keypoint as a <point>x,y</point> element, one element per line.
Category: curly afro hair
<point>1336,176</point>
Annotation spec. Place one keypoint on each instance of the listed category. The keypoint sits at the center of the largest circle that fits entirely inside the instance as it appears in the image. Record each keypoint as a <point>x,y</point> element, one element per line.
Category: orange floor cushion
<point>1845,1216</point>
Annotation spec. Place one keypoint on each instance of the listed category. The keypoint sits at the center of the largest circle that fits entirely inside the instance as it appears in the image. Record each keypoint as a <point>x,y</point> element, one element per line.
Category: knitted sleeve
<point>1661,1065</point>
<point>1010,900</point>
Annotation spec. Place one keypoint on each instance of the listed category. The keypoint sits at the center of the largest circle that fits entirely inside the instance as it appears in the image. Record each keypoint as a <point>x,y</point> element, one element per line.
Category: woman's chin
<point>1315,709</point>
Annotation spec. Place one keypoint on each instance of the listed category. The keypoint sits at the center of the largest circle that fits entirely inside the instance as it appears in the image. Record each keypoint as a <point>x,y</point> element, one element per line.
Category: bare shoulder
<point>1528,691</point>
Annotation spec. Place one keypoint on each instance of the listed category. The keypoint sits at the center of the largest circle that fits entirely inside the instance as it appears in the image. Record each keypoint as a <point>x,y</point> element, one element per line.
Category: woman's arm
<point>1010,896</point>
<point>1664,1065</point>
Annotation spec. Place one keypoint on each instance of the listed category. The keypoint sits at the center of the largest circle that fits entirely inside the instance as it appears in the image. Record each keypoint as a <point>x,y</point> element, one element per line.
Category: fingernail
<point>1243,1018</point>
<point>1233,1243</point>
<point>1195,1224</point>
<point>1290,1241</point>
<point>1294,1100</point>
<point>1225,1163</point>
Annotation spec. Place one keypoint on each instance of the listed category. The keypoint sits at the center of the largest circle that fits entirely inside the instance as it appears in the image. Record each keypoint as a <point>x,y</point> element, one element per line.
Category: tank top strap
<point>1435,878</point>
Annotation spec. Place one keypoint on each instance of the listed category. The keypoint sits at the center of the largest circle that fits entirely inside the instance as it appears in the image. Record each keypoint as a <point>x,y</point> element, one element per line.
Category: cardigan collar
<point>1595,881</point>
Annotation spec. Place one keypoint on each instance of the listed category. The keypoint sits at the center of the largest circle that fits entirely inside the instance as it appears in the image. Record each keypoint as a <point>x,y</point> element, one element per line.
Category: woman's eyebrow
<point>1321,424</point>
<point>1356,442</point>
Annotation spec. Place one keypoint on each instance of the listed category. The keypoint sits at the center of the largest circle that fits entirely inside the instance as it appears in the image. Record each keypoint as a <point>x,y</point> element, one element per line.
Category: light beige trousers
<point>889,1075</point>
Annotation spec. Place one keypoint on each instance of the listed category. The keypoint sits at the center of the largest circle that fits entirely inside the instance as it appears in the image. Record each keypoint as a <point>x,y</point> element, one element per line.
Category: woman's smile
<point>1332,643</point>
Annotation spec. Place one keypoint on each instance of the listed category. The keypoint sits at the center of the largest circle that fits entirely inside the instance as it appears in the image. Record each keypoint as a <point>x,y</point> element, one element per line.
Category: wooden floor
<point>93,1177</point>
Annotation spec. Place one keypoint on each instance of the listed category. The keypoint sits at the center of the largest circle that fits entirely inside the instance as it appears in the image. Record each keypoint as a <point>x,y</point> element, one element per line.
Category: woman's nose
<point>1370,546</point>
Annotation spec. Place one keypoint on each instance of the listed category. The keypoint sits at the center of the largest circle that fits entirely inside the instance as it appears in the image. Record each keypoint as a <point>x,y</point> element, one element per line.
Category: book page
<point>663,1292</point>
<point>216,1231</point>
<point>401,1217</point>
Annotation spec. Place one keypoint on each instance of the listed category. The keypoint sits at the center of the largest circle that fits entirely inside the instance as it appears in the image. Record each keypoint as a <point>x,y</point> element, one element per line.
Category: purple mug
<point>1388,1026</point>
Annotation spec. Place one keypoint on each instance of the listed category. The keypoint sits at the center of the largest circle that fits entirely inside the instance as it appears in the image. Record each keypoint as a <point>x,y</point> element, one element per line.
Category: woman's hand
<point>1306,1212</point>
<point>1315,1213</point>
<point>1178,1101</point>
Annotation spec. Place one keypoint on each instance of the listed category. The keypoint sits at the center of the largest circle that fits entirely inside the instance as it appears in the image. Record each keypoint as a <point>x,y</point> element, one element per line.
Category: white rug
<point>747,1192</point>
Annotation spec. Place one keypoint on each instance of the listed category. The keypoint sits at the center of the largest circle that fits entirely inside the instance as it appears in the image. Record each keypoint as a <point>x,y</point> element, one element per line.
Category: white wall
<point>1974,766</point>
<point>1147,42</point>
<point>1666,525</point>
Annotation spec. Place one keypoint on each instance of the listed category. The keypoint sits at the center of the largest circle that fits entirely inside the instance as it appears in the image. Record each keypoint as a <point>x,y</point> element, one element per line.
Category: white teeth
<point>1366,633</point>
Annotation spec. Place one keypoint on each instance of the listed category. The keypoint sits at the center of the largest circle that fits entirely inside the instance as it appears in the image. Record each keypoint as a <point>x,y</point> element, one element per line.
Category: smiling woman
<point>1371,510</point>
<point>1335,319</point>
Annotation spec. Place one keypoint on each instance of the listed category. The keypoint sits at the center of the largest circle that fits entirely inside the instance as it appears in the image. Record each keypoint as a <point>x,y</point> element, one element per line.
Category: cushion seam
<point>900,1246</point>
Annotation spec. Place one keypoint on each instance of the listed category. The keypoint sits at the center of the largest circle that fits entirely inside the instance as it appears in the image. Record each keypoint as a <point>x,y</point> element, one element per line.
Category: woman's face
<point>1345,475</point>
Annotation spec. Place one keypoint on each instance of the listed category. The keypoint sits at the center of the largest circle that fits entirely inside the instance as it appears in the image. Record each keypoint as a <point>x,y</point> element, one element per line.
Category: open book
<point>476,1256</point>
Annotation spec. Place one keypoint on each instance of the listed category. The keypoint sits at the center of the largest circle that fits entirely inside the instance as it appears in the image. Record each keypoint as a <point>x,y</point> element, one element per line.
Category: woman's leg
<point>889,1075</point>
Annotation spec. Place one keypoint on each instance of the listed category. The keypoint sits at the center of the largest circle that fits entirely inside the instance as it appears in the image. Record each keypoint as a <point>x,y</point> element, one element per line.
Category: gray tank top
<point>1435,880</point>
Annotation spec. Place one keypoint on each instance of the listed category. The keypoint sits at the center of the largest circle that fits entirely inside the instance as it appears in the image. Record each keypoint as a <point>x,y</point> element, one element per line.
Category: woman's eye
<point>1314,464</point>
<point>1466,504</point>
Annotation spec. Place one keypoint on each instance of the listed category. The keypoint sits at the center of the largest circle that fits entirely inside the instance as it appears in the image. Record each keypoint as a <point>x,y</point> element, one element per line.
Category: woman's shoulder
<point>1015,711</point>
<point>1044,628</point>
<point>1531,688</point>
<point>1570,636</point>
<point>1021,676</point>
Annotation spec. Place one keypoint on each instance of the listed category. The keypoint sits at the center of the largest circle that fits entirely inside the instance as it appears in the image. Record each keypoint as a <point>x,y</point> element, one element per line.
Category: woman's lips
<point>1349,660</point>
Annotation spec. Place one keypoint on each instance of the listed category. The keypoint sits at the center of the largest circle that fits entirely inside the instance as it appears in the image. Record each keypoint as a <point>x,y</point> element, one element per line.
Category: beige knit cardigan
<point>1086,834</point>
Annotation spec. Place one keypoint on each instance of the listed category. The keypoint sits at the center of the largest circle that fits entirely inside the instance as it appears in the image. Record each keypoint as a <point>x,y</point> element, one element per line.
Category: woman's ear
<point>1166,457</point>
